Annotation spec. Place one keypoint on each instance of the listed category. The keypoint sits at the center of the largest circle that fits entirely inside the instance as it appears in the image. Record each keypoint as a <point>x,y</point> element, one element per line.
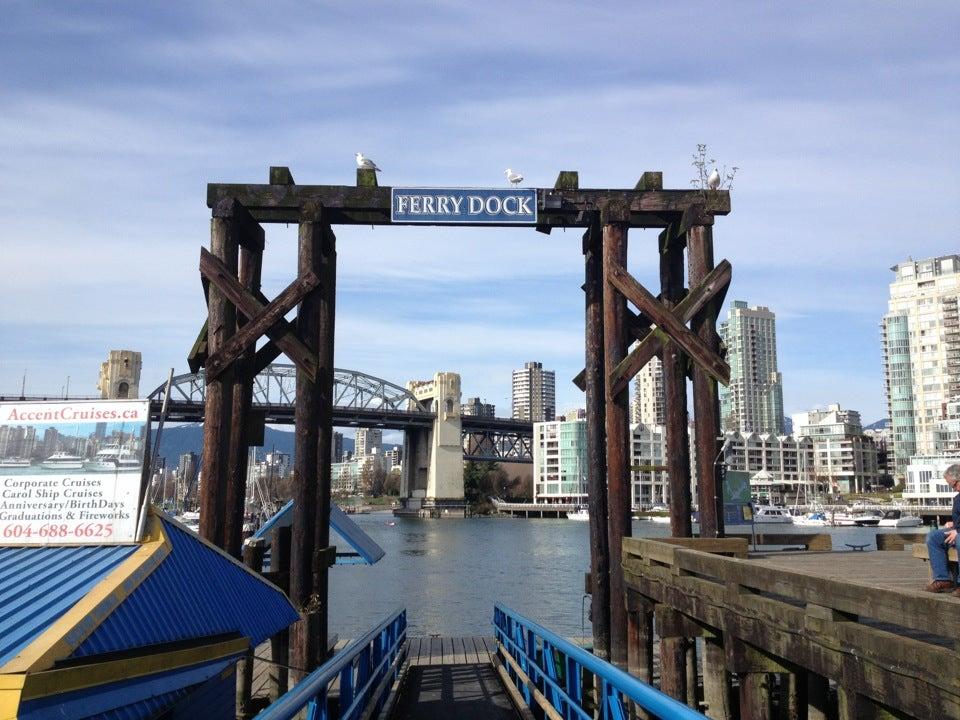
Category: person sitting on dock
<point>940,540</point>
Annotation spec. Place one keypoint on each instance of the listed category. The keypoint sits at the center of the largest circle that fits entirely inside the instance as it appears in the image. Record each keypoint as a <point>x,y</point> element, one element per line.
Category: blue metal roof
<point>352,533</point>
<point>195,592</point>
<point>137,699</point>
<point>39,584</point>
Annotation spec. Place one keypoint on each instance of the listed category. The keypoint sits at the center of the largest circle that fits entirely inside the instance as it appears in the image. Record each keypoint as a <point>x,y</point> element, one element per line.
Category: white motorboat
<point>811,519</point>
<point>896,518</point>
<point>14,463</point>
<point>771,514</point>
<point>870,518</point>
<point>63,461</point>
<point>580,513</point>
<point>113,458</point>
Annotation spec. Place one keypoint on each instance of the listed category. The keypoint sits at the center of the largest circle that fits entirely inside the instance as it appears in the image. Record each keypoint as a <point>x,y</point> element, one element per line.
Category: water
<point>449,573</point>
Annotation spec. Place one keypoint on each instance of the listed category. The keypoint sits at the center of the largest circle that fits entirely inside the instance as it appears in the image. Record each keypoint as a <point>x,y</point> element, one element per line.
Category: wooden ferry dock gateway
<point>681,627</point>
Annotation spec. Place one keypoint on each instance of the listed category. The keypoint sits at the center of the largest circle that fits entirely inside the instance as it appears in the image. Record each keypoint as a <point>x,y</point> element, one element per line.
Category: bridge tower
<point>432,479</point>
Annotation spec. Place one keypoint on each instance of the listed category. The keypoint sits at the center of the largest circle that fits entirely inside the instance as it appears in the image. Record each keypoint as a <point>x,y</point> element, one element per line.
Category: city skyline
<point>109,141</point>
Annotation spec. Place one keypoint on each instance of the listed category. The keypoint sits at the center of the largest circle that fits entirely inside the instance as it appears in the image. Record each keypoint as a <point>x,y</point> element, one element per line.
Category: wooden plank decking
<point>452,678</point>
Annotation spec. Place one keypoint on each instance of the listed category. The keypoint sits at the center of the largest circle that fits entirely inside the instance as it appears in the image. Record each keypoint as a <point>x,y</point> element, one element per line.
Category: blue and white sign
<point>458,206</point>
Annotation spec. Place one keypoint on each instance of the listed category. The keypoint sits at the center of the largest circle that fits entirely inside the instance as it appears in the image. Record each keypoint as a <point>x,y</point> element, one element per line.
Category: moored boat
<point>12,462</point>
<point>811,519</point>
<point>580,513</point>
<point>896,518</point>
<point>771,514</point>
<point>111,459</point>
<point>63,461</point>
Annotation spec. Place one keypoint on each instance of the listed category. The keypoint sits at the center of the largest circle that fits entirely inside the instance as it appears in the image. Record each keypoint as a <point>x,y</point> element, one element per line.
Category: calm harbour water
<point>449,573</point>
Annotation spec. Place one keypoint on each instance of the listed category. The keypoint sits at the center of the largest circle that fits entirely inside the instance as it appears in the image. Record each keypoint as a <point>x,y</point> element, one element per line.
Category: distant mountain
<point>181,439</point>
<point>878,425</point>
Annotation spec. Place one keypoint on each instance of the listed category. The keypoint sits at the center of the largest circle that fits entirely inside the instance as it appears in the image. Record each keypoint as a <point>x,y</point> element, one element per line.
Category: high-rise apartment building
<point>843,455</point>
<point>477,408</point>
<point>921,353</point>
<point>648,405</point>
<point>534,393</point>
<point>366,441</point>
<point>753,402</point>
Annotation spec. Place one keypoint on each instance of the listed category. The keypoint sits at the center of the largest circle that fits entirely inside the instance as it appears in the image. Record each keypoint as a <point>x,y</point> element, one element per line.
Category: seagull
<point>713,182</point>
<point>365,163</point>
<point>515,178</point>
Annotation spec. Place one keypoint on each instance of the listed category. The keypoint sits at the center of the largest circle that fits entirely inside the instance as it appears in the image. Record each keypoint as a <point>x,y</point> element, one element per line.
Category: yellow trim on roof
<point>10,688</point>
<point>66,634</point>
<point>56,682</point>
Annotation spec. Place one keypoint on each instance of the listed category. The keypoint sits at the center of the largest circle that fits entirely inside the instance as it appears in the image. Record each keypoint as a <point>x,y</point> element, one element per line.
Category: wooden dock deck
<point>842,634</point>
<point>452,678</point>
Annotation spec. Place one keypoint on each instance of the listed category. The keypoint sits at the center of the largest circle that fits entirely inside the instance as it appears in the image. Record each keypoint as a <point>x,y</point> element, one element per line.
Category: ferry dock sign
<point>464,206</point>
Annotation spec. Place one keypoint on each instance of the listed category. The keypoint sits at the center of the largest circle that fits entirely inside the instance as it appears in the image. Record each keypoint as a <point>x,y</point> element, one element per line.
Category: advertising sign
<point>464,206</point>
<point>70,472</point>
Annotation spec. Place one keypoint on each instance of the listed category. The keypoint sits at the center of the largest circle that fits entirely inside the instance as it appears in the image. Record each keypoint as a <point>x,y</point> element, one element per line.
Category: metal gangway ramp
<point>522,671</point>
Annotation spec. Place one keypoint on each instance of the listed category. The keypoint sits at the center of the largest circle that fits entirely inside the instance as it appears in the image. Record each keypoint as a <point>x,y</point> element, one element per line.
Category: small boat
<point>771,514</point>
<point>870,518</point>
<point>63,461</point>
<point>111,459</point>
<point>14,463</point>
<point>896,518</point>
<point>811,519</point>
<point>580,513</point>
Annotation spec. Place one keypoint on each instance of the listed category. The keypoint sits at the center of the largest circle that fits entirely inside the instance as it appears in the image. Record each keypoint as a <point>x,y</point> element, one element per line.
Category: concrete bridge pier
<point>432,481</point>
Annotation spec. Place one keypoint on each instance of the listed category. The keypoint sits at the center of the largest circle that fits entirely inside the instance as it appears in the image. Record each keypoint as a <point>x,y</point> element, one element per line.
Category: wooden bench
<point>920,551</point>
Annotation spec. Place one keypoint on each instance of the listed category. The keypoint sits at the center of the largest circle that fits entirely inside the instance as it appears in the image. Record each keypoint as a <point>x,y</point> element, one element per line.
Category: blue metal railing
<point>555,668</point>
<point>363,668</point>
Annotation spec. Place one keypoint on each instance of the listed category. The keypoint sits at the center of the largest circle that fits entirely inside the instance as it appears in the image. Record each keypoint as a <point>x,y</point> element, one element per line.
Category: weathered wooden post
<point>674,364</point>
<point>615,219</point>
<point>251,263</point>
<point>706,403</point>
<point>253,559</point>
<point>325,555</point>
<point>221,325</point>
<point>640,641</point>
<point>304,640</point>
<point>280,643</point>
<point>596,440</point>
<point>716,679</point>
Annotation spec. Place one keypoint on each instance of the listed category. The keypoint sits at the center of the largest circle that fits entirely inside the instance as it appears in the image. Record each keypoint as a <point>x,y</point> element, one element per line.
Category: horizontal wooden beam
<point>669,323</point>
<point>282,333</point>
<point>348,204</point>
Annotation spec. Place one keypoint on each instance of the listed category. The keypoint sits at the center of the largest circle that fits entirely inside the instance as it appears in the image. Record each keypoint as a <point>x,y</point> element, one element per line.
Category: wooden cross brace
<point>670,325</point>
<point>264,318</point>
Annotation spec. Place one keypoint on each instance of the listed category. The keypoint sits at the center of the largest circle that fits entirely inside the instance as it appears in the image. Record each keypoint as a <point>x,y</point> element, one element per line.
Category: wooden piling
<point>755,696</point>
<point>307,416</point>
<point>674,365</point>
<point>219,397</point>
<point>716,679</point>
<point>253,559</point>
<point>596,440</point>
<point>706,403</point>
<point>617,424</point>
<point>327,313</point>
<point>279,643</point>
<point>251,262</point>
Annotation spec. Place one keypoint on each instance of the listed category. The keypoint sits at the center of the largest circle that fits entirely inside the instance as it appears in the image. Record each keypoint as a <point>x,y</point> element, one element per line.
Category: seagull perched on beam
<point>365,163</point>
<point>713,182</point>
<point>514,177</point>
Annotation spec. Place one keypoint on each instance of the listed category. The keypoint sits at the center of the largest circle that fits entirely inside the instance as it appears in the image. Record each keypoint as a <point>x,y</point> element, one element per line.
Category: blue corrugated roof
<point>365,545</point>
<point>196,591</point>
<point>39,584</point>
<point>137,699</point>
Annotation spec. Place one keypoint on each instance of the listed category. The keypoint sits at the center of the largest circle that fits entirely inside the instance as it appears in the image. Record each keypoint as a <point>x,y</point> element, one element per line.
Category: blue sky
<point>113,117</point>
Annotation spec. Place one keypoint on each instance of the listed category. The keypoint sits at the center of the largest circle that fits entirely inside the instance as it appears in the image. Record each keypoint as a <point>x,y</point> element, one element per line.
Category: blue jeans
<point>937,550</point>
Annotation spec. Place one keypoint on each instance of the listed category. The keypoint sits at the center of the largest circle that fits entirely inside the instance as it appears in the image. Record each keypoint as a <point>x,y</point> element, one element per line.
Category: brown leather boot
<point>941,586</point>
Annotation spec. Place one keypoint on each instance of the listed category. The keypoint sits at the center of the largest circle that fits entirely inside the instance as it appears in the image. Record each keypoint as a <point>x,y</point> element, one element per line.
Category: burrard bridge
<point>437,438</point>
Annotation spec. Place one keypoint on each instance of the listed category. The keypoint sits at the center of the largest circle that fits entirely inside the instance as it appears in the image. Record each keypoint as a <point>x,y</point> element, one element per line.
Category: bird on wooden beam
<point>365,163</point>
<point>713,182</point>
<point>514,177</point>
